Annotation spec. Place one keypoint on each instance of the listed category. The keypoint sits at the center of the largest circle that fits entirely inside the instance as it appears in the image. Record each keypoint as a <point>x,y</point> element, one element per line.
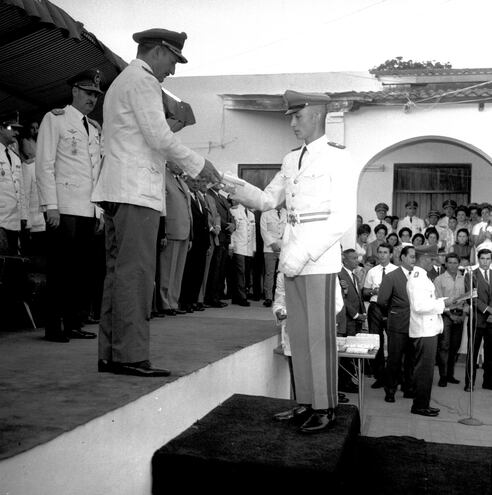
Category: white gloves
<point>293,258</point>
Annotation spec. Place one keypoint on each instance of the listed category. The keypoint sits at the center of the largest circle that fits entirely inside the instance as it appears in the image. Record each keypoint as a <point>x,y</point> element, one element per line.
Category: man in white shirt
<point>272,226</point>
<point>414,223</point>
<point>425,325</point>
<point>375,316</point>
<point>137,142</point>
<point>68,158</point>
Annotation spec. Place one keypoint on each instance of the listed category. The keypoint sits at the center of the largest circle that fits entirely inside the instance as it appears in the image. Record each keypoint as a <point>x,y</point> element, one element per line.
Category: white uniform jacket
<point>272,228</point>
<point>13,205</point>
<point>35,220</point>
<point>243,239</point>
<point>425,308</point>
<point>67,162</point>
<point>417,225</point>
<point>138,141</point>
<point>319,200</point>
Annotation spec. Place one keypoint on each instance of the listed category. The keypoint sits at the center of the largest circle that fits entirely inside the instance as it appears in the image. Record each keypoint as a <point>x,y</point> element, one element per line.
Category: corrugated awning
<point>41,47</point>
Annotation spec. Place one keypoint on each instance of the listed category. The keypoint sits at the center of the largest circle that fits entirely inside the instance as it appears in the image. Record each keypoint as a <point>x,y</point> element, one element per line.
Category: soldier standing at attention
<point>68,158</point>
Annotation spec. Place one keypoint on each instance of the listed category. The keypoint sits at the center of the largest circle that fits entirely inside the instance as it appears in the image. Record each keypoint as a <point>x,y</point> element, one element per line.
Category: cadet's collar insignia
<point>72,131</point>
<point>415,274</point>
<point>58,111</point>
<point>336,145</point>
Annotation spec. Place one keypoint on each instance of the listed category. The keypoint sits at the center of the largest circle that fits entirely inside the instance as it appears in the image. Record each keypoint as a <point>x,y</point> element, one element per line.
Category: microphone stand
<point>470,420</point>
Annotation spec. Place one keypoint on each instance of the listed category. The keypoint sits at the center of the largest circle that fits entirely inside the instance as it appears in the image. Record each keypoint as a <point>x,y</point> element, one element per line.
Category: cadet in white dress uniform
<point>415,224</point>
<point>13,205</point>
<point>425,325</point>
<point>314,182</point>
<point>68,157</point>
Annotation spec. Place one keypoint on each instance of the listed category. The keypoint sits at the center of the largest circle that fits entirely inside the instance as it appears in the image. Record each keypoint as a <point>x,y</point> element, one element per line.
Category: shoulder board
<point>296,149</point>
<point>336,145</point>
<point>58,111</point>
<point>95,123</point>
<point>416,274</point>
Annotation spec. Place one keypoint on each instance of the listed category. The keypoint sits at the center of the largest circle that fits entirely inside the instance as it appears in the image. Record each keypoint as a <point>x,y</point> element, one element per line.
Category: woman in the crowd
<point>462,247</point>
<point>462,221</point>
<point>361,244</point>
<point>393,240</point>
<point>381,232</point>
<point>432,237</point>
<point>418,239</point>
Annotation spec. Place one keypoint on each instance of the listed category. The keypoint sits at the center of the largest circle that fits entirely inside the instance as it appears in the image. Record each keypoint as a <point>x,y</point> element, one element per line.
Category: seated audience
<point>361,244</point>
<point>381,232</point>
<point>418,239</point>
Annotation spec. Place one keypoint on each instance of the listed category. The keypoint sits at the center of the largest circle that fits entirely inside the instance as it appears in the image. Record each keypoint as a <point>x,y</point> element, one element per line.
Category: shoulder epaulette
<point>336,145</point>
<point>295,149</point>
<point>95,123</point>
<point>58,111</point>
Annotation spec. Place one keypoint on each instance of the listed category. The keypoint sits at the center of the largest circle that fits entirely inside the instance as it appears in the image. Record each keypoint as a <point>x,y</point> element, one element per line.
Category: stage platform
<point>65,428</point>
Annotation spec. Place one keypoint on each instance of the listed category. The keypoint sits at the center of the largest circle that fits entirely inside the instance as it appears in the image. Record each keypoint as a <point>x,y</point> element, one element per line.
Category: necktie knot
<point>304,149</point>
<point>86,124</point>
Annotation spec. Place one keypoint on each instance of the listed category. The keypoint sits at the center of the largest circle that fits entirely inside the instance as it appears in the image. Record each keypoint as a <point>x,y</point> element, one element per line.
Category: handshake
<point>229,183</point>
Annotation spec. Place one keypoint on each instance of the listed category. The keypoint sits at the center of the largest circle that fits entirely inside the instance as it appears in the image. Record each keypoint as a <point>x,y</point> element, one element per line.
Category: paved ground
<point>39,379</point>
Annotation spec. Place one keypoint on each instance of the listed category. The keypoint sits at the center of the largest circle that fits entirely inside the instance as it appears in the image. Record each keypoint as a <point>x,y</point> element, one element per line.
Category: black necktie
<point>9,158</point>
<point>86,125</point>
<point>304,149</point>
<point>384,272</point>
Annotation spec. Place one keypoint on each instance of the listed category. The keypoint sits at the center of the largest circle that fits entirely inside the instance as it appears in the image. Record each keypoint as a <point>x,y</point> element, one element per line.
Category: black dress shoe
<point>170,312</point>
<point>77,333</point>
<point>198,307</point>
<point>301,410</point>
<point>188,309</point>
<point>318,421</point>
<point>452,379</point>
<point>267,303</point>
<point>377,384</point>
<point>241,302</point>
<point>425,411</point>
<point>443,382</point>
<point>158,314</point>
<point>141,368</point>
<point>389,397</point>
<point>56,337</point>
<point>218,304</point>
<point>104,366</point>
<point>434,409</point>
<point>349,388</point>
<point>181,311</point>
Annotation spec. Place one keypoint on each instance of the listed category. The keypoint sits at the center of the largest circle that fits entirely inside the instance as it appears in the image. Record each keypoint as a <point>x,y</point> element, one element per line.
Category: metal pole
<point>471,421</point>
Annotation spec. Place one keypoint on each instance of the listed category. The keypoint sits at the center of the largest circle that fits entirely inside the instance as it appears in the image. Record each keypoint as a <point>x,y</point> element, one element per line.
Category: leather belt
<point>314,216</point>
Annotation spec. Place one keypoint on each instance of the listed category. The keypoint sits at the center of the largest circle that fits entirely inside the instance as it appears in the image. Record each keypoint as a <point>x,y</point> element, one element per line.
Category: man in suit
<point>68,158</point>
<point>393,299</point>
<point>482,308</point>
<point>195,259</point>
<point>175,234</point>
<point>130,188</point>
<point>217,272</point>
<point>376,319</point>
<point>214,229</point>
<point>425,325</point>
<point>355,314</point>
<point>313,181</point>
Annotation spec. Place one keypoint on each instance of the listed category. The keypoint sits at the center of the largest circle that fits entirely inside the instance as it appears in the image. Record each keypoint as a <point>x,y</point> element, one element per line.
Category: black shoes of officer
<point>389,397</point>
<point>452,379</point>
<point>241,302</point>
<point>300,411</point>
<point>267,303</point>
<point>78,333</point>
<point>217,304</point>
<point>431,412</point>
<point>198,307</point>
<point>141,368</point>
<point>443,382</point>
<point>320,420</point>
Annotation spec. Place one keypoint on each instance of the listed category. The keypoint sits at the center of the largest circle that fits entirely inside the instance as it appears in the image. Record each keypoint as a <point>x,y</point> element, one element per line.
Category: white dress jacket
<point>320,204</point>
<point>138,141</point>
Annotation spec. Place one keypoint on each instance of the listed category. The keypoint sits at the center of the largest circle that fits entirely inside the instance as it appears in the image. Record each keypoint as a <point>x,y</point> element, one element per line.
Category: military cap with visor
<point>88,80</point>
<point>297,101</point>
<point>170,39</point>
<point>449,202</point>
<point>412,204</point>
<point>10,120</point>
<point>381,206</point>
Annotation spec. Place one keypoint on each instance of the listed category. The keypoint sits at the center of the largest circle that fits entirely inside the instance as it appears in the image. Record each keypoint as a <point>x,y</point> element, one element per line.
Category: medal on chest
<point>74,145</point>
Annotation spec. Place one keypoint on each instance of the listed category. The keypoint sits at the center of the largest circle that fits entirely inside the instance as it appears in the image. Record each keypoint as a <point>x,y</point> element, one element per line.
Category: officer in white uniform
<point>425,325</point>
<point>13,204</point>
<point>381,210</point>
<point>272,226</point>
<point>414,223</point>
<point>137,143</point>
<point>68,158</point>
<point>313,181</point>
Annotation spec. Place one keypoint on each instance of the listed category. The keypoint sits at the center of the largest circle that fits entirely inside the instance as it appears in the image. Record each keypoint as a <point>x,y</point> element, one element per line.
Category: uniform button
<point>296,181</point>
<point>292,194</point>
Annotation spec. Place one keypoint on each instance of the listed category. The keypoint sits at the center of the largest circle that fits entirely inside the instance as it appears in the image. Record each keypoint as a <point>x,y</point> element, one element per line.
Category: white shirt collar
<point>317,144</point>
